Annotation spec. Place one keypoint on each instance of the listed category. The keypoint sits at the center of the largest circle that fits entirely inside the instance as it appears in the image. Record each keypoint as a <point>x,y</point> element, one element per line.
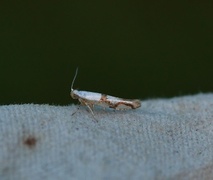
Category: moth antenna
<point>76,72</point>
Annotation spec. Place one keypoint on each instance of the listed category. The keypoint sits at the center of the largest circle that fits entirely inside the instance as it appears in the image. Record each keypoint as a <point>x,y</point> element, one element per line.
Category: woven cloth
<point>163,139</point>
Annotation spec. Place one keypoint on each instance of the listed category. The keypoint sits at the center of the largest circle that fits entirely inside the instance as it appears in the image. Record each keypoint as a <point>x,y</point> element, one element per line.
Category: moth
<point>90,99</point>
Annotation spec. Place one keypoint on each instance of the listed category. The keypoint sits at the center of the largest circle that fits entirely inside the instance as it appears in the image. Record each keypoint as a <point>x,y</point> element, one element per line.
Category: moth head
<point>73,94</point>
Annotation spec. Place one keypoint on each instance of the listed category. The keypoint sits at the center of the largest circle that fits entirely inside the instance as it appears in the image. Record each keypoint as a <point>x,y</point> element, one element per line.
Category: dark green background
<point>130,49</point>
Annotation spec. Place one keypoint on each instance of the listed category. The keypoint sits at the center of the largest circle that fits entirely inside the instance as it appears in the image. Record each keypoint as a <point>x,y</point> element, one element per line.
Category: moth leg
<point>81,103</point>
<point>90,106</point>
<point>76,110</point>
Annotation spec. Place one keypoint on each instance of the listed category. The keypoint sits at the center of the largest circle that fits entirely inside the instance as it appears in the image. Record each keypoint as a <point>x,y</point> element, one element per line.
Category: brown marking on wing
<point>103,97</point>
<point>134,104</point>
<point>105,100</point>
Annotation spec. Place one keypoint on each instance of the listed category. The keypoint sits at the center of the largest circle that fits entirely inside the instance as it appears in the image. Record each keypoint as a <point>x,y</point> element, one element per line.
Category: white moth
<point>93,98</point>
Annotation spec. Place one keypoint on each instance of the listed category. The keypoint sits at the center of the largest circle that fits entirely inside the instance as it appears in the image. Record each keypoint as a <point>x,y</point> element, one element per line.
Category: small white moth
<point>93,98</point>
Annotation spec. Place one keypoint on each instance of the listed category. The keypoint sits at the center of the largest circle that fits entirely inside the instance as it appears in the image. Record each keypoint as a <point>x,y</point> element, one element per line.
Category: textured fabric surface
<point>164,139</point>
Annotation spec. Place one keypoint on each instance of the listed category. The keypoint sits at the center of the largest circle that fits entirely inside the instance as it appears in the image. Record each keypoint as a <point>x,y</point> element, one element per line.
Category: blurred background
<point>129,49</point>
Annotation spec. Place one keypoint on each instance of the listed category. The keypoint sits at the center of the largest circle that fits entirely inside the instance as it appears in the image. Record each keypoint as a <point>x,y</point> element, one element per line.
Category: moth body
<point>93,98</point>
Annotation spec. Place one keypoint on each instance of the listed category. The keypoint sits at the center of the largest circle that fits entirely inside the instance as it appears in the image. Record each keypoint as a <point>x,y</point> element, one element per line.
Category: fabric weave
<point>163,139</point>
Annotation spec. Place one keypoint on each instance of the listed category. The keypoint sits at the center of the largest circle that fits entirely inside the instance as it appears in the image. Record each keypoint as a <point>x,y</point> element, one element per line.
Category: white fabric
<point>164,139</point>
